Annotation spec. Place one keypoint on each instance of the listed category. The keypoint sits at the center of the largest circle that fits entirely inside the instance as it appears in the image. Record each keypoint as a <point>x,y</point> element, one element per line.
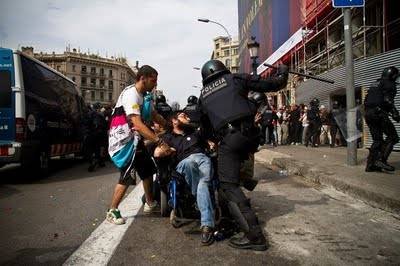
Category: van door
<point>7,102</point>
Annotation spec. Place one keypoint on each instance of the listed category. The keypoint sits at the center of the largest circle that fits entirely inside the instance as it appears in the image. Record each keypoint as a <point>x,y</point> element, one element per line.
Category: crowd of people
<point>310,125</point>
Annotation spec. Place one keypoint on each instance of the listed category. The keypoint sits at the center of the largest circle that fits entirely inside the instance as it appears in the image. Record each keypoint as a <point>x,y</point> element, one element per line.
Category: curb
<point>320,177</point>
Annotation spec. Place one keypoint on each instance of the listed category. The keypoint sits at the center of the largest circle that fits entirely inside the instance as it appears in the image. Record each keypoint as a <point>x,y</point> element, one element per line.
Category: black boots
<point>242,242</point>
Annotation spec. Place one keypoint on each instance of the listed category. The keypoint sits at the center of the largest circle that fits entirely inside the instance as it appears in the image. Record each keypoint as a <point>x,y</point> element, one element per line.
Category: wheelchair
<point>175,197</point>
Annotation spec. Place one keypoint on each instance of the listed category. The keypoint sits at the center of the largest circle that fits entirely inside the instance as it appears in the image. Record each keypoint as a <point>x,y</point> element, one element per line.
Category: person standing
<point>314,126</point>
<point>131,99</point>
<point>379,105</point>
<point>225,105</point>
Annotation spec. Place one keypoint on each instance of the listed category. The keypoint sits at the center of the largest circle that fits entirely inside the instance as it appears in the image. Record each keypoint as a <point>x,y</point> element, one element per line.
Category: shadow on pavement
<point>40,256</point>
<point>66,169</point>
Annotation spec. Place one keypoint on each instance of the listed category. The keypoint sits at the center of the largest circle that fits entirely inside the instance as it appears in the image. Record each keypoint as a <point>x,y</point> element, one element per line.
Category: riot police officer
<point>162,107</point>
<point>379,105</point>
<point>192,110</point>
<point>227,110</point>
<point>315,124</point>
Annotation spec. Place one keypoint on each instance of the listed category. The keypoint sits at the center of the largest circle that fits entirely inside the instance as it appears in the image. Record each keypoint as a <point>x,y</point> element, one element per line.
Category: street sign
<point>348,3</point>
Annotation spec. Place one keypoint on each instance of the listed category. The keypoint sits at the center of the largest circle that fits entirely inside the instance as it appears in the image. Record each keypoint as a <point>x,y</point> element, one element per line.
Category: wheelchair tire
<point>173,219</point>
<point>164,204</point>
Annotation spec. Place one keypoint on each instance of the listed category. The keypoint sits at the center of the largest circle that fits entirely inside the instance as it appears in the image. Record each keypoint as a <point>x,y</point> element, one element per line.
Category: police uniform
<point>315,124</point>
<point>379,104</point>
<point>193,111</point>
<point>164,110</point>
<point>227,109</point>
<point>162,107</point>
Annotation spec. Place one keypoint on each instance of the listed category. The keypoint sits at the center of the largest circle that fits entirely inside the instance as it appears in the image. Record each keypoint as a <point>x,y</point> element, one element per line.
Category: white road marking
<point>101,244</point>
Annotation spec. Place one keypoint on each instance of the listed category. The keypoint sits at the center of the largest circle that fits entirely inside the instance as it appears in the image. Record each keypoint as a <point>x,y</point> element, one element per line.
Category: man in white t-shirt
<point>131,99</point>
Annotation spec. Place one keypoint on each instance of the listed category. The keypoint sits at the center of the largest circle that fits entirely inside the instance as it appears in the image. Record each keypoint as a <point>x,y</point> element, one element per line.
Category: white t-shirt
<point>131,100</point>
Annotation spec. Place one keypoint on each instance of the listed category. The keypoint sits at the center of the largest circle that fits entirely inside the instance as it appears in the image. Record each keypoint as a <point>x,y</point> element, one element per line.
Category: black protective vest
<point>192,110</point>
<point>164,110</point>
<point>224,100</point>
<point>375,96</point>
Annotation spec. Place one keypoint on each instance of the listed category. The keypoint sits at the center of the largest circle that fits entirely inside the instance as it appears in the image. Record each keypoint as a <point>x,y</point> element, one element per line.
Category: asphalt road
<point>43,221</point>
<point>306,225</point>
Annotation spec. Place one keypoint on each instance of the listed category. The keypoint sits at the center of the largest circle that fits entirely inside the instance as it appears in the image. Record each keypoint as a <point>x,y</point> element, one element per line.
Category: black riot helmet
<point>192,99</point>
<point>314,102</point>
<point>390,73</point>
<point>213,69</point>
<point>257,97</point>
<point>97,106</point>
<point>160,99</point>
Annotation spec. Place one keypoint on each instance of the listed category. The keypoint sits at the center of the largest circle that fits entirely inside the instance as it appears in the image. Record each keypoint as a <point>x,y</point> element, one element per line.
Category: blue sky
<point>161,33</point>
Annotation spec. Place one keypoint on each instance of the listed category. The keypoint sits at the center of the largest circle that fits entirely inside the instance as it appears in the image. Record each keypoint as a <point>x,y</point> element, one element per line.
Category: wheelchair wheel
<point>164,204</point>
<point>174,219</point>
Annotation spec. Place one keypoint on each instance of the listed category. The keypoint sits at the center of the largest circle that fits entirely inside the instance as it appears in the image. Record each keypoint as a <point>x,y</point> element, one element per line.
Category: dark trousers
<point>233,150</point>
<point>313,132</point>
<point>379,123</point>
<point>270,137</point>
<point>333,132</point>
<point>295,132</point>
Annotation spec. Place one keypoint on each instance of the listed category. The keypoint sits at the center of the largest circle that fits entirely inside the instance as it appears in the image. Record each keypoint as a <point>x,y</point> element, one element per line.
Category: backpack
<point>122,140</point>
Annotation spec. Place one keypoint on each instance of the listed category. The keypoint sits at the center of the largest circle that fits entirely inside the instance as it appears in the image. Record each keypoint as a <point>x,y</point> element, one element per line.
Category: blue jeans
<point>197,170</point>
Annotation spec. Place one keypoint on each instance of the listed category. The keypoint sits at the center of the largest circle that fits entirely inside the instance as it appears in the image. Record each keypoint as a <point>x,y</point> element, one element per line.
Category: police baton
<point>304,75</point>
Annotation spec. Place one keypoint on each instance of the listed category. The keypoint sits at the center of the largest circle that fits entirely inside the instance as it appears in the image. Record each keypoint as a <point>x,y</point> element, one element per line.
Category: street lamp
<point>253,47</point>
<point>205,20</point>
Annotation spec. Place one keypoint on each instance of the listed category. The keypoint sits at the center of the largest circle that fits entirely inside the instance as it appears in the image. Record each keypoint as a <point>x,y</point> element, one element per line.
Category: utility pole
<point>350,95</point>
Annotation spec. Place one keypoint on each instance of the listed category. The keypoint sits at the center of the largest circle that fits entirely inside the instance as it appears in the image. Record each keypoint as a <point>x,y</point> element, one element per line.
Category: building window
<point>92,82</point>
<point>101,71</point>
<point>110,96</point>
<point>226,53</point>
<point>58,68</point>
<point>235,51</point>
<point>101,96</point>
<point>73,79</point>
<point>217,46</point>
<point>83,69</point>
<point>227,63</point>
<point>73,68</point>
<point>83,81</point>
<point>102,82</point>
<point>217,54</point>
<point>92,95</point>
<point>92,70</point>
<point>110,74</point>
<point>110,84</point>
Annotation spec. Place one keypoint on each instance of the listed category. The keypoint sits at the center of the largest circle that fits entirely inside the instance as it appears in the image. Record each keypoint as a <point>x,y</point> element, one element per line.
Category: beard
<point>185,127</point>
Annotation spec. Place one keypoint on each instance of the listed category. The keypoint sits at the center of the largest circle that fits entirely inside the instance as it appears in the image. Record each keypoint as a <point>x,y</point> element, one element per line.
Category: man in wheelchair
<point>189,148</point>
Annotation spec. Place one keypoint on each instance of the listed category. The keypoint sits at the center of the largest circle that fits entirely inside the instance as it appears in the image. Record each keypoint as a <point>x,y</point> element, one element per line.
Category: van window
<point>5,89</point>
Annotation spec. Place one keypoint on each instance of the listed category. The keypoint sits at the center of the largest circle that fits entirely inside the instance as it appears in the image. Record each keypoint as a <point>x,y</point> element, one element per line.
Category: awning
<point>295,39</point>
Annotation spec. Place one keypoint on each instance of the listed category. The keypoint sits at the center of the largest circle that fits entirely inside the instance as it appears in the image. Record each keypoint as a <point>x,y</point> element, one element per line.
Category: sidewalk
<point>327,166</point>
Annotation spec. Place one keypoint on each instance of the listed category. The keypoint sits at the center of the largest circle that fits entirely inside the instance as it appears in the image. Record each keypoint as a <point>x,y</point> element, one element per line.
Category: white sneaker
<point>114,216</point>
<point>149,208</point>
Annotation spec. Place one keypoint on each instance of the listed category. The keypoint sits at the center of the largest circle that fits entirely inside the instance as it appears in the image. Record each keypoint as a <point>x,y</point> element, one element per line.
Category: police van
<point>41,112</point>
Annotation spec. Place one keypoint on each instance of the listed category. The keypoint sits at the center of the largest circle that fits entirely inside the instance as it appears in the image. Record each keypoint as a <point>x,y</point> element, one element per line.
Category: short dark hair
<point>145,71</point>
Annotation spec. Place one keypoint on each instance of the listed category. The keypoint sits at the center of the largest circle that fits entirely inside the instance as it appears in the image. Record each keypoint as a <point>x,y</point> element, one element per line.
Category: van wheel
<point>44,162</point>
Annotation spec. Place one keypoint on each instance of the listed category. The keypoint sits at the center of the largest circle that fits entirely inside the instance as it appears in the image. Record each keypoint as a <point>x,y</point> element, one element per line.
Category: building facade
<point>99,79</point>
<point>227,52</point>
<point>314,44</point>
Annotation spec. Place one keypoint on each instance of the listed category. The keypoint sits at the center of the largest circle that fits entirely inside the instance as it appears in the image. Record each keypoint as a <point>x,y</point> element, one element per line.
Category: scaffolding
<point>323,49</point>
